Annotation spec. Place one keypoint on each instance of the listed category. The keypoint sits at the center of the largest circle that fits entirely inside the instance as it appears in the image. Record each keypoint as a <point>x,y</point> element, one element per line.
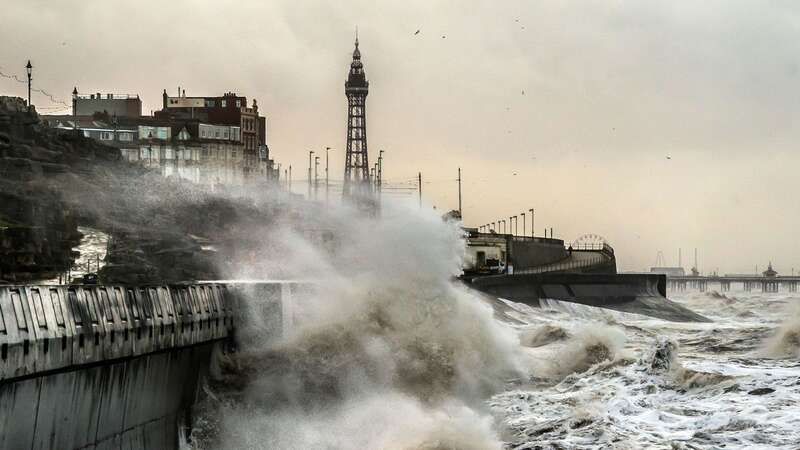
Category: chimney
<point>164,97</point>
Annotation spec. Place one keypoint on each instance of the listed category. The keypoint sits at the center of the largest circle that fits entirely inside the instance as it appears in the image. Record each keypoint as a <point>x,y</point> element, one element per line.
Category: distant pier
<point>748,282</point>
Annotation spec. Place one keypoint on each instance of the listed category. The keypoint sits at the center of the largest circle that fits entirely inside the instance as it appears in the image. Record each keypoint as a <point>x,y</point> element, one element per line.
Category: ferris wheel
<point>589,241</point>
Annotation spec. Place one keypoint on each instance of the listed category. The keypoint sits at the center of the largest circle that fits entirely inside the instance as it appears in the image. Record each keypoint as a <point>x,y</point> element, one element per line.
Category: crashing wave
<point>586,348</point>
<point>542,335</point>
<point>664,361</point>
<point>390,353</point>
<point>785,343</point>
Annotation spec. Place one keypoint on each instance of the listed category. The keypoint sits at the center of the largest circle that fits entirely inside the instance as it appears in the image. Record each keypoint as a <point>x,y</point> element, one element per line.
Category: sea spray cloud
<point>389,341</point>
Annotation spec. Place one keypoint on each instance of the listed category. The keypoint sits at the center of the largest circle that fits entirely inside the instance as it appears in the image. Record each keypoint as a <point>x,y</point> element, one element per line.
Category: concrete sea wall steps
<point>45,328</point>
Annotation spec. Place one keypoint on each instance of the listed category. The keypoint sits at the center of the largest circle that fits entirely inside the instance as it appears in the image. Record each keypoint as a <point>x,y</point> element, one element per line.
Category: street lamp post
<point>316,179</point>
<point>523,223</point>
<point>533,225</point>
<point>327,180</point>
<point>380,173</point>
<point>310,154</point>
<point>29,69</point>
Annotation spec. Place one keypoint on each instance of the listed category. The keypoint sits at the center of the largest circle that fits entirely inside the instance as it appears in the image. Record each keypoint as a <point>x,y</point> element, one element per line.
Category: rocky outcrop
<point>37,233</point>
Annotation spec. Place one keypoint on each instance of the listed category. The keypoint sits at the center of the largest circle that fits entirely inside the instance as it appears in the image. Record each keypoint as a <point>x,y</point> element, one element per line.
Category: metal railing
<point>543,240</point>
<point>593,248</point>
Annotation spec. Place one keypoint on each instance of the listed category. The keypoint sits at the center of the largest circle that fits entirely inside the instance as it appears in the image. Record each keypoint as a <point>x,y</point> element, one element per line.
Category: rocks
<point>761,391</point>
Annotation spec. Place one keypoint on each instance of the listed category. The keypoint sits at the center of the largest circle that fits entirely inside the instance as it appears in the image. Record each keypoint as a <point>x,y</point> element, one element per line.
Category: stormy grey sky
<point>611,88</point>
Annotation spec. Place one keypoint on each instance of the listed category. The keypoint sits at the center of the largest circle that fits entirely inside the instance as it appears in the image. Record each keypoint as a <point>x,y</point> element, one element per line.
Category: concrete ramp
<point>631,293</point>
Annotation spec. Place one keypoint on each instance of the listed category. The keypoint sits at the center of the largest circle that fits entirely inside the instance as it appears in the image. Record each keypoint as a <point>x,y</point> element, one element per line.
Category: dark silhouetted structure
<point>356,169</point>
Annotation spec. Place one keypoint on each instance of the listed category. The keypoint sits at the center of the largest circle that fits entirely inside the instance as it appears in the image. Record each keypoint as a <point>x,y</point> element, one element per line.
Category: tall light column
<point>310,154</point>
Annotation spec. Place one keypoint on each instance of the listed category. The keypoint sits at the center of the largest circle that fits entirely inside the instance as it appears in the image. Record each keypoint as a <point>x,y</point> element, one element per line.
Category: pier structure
<point>748,283</point>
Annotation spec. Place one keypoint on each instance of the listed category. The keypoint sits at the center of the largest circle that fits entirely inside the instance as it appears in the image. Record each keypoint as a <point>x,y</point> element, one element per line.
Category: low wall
<point>530,253</point>
<point>110,366</point>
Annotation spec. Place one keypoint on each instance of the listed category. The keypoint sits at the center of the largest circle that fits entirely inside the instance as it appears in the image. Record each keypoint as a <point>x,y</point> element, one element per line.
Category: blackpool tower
<point>356,168</point>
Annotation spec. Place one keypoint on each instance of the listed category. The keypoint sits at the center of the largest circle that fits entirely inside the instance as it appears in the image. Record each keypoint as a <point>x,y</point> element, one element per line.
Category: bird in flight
<point>416,32</point>
<point>669,157</point>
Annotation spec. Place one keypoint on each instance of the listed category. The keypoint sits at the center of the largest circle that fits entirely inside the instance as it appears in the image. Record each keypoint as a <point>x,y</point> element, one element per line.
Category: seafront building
<point>207,140</point>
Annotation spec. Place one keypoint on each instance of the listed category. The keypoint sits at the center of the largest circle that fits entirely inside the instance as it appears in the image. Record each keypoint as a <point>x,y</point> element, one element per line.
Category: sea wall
<point>106,366</point>
<point>526,253</point>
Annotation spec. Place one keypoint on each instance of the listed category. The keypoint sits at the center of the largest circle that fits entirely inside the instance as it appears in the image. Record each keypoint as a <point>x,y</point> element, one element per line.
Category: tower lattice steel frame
<point>356,168</point>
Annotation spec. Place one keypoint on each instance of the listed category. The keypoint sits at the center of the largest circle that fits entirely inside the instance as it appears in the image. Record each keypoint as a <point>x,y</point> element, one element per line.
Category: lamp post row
<point>513,225</point>
<point>313,168</point>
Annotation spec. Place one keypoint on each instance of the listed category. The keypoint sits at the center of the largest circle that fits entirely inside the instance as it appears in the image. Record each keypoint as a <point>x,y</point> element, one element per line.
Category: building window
<point>227,134</point>
<point>238,103</point>
<point>210,103</point>
<point>223,103</point>
<point>106,136</point>
<point>126,136</point>
<point>216,133</point>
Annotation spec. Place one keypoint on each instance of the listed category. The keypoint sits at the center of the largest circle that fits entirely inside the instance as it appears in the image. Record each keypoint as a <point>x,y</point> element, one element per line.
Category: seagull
<point>443,36</point>
<point>416,32</point>
<point>523,92</point>
<point>669,157</point>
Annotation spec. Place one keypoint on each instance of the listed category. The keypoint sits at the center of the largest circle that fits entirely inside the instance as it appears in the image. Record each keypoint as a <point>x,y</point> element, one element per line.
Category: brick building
<point>229,109</point>
<point>208,140</point>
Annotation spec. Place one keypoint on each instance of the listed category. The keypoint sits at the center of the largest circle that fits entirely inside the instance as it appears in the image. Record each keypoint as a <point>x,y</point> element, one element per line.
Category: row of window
<point>219,132</point>
<point>155,154</point>
<point>222,103</point>
<point>109,135</point>
<point>248,124</point>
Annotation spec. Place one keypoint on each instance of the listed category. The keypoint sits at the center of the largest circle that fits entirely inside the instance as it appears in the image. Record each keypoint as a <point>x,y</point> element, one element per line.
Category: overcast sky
<point>657,124</point>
